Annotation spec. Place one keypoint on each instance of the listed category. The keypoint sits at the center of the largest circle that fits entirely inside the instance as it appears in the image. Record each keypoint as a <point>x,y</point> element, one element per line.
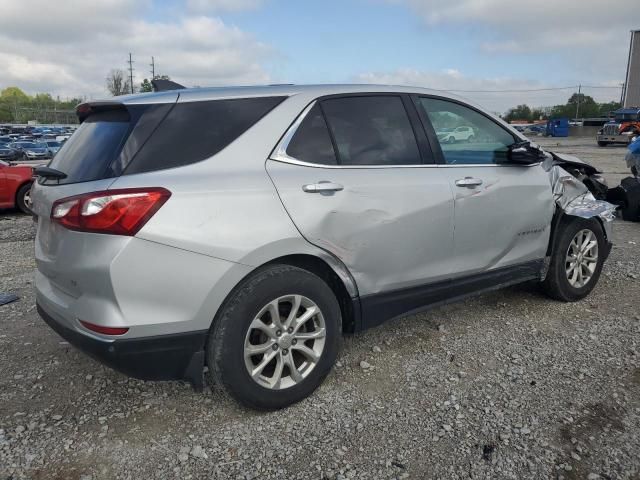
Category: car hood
<point>563,159</point>
<point>35,150</point>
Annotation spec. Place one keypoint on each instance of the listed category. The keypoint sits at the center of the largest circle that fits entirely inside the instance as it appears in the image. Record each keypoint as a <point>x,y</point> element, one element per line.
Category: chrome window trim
<point>279,153</point>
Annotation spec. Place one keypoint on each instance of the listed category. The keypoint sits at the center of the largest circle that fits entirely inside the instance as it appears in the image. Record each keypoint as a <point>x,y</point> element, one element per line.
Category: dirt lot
<point>506,385</point>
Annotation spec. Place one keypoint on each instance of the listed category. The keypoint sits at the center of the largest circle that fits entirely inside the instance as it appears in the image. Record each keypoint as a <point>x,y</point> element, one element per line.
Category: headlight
<point>600,179</point>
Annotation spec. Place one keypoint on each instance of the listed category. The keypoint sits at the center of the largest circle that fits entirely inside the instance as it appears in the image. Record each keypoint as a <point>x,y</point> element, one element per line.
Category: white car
<point>460,134</point>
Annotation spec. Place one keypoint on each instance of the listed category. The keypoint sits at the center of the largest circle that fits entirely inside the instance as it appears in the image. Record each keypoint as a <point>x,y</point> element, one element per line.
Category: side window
<point>311,142</point>
<point>371,130</point>
<point>193,131</point>
<point>466,137</point>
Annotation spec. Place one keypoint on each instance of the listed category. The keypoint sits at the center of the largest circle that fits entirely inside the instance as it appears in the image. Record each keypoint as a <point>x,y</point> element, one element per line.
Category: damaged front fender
<point>574,198</point>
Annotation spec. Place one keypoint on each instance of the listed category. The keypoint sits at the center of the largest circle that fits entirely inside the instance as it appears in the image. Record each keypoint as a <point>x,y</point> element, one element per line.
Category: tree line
<point>584,105</point>
<point>118,83</point>
<point>18,107</point>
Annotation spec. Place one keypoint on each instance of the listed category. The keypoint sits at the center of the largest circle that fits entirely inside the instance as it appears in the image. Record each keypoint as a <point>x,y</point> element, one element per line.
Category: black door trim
<point>380,307</point>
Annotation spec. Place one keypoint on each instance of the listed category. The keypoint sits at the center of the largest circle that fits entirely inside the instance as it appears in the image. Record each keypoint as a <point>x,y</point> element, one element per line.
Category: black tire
<point>225,347</point>
<point>451,140</point>
<point>21,202</point>
<point>556,284</point>
<point>603,144</point>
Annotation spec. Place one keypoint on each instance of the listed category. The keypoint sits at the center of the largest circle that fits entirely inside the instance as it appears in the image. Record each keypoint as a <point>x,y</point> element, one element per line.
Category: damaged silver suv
<point>246,229</point>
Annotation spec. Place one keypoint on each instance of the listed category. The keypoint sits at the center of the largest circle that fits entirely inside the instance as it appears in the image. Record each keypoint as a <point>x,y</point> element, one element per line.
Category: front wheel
<point>23,199</point>
<point>276,338</point>
<point>578,257</point>
<point>603,144</point>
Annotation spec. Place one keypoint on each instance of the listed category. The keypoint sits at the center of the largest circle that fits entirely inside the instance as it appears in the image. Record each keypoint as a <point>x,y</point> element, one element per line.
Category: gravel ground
<point>506,385</point>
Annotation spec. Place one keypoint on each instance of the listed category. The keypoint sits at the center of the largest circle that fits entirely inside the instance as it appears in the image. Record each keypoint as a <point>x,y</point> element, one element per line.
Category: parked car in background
<point>32,151</point>
<point>52,145</point>
<point>459,134</point>
<point>8,154</point>
<point>247,229</point>
<point>15,186</point>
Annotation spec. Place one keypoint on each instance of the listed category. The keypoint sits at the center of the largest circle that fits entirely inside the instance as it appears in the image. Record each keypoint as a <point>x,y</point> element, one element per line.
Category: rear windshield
<point>89,152</point>
<point>145,138</point>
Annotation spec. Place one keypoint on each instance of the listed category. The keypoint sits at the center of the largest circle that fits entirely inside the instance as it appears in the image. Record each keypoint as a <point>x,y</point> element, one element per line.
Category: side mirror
<point>524,153</point>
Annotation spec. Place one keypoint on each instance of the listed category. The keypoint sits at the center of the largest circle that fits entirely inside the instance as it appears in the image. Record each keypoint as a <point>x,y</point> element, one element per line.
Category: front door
<point>356,183</point>
<point>502,211</point>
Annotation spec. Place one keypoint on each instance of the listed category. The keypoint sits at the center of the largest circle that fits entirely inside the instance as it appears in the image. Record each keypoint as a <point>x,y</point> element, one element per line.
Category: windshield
<point>54,144</point>
<point>29,145</point>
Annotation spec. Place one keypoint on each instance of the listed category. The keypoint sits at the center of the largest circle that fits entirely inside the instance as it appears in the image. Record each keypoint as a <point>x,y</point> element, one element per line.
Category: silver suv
<point>247,229</point>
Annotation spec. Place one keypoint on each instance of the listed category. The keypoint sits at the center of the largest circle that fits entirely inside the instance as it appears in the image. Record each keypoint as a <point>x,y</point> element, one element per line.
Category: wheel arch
<point>347,298</point>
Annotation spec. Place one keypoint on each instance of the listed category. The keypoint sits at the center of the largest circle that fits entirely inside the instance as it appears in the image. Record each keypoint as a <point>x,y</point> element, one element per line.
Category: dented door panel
<point>503,221</point>
<point>392,227</point>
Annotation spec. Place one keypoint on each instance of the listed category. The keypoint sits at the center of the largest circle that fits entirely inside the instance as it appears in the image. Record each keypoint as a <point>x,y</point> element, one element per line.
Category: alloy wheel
<point>284,342</point>
<point>582,258</point>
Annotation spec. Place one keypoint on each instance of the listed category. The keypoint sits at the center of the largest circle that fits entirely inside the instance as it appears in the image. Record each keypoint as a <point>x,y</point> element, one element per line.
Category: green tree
<point>521,112</point>
<point>146,86</point>
<point>14,94</point>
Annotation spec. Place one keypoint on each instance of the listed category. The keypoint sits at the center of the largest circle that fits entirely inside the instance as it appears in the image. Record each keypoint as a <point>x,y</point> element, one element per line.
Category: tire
<point>451,140</point>
<point>234,329</point>
<point>558,283</point>
<point>23,199</point>
<point>603,144</point>
<point>471,139</point>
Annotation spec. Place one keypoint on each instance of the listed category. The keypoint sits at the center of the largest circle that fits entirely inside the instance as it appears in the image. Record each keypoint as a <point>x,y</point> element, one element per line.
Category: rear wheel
<point>577,260</point>
<point>276,338</point>
<point>23,198</point>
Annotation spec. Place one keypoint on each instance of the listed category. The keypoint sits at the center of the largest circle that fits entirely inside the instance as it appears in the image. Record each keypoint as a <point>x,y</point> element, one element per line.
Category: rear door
<point>502,211</point>
<point>358,180</point>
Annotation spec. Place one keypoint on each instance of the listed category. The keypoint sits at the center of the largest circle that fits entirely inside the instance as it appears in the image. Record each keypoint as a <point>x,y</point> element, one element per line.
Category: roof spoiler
<point>165,85</point>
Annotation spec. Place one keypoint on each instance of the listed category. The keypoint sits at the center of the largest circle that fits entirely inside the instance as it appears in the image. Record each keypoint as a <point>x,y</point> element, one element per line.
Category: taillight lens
<point>117,212</point>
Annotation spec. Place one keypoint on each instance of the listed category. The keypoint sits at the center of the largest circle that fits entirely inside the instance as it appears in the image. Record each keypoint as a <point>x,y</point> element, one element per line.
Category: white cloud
<point>593,35</point>
<point>71,50</point>
<point>494,94</point>
<point>222,5</point>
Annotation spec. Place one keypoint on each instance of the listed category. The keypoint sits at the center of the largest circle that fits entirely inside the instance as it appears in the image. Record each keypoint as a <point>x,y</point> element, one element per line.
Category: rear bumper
<point>178,356</point>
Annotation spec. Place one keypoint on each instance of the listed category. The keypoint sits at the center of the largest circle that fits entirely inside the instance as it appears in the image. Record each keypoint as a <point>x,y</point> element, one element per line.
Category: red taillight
<point>104,330</point>
<point>118,212</point>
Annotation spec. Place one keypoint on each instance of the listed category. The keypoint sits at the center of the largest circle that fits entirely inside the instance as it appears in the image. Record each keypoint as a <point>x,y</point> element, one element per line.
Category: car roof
<point>214,93</point>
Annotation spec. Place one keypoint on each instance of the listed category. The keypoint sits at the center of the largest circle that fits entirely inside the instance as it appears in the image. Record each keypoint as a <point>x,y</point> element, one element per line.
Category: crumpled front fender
<point>574,198</point>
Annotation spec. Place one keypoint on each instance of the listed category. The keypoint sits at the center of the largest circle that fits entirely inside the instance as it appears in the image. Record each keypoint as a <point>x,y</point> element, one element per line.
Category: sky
<point>471,47</point>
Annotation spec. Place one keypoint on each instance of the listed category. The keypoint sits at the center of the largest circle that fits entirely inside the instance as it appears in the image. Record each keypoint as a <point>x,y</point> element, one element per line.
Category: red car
<point>15,185</point>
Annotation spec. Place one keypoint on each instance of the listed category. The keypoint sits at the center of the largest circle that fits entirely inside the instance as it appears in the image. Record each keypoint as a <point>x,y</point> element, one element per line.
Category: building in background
<point>631,92</point>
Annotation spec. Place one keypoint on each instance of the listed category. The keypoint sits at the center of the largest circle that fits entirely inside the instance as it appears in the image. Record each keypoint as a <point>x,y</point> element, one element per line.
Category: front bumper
<point>178,356</point>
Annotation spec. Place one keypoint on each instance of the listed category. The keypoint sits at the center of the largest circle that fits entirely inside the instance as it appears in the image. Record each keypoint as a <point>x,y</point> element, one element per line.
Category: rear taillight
<point>104,330</point>
<point>117,212</point>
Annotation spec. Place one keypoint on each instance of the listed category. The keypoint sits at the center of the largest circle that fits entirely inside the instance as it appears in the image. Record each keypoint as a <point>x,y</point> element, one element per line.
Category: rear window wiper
<point>48,172</point>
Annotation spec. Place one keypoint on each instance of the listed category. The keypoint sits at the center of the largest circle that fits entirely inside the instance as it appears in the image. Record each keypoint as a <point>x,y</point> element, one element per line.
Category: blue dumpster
<point>558,127</point>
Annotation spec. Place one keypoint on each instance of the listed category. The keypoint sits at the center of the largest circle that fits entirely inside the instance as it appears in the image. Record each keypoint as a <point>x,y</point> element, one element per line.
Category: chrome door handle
<point>468,182</point>
<point>322,187</point>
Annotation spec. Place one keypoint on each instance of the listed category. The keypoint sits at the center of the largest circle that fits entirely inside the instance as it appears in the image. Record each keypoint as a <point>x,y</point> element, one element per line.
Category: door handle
<point>322,186</point>
<point>468,182</point>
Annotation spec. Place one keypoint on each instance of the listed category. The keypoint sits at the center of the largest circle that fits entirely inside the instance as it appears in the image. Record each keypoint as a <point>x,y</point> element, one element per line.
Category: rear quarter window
<point>193,131</point>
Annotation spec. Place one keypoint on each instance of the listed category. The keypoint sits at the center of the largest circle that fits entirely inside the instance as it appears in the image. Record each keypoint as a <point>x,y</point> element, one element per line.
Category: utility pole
<point>578,102</point>
<point>130,72</point>
<point>153,69</point>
